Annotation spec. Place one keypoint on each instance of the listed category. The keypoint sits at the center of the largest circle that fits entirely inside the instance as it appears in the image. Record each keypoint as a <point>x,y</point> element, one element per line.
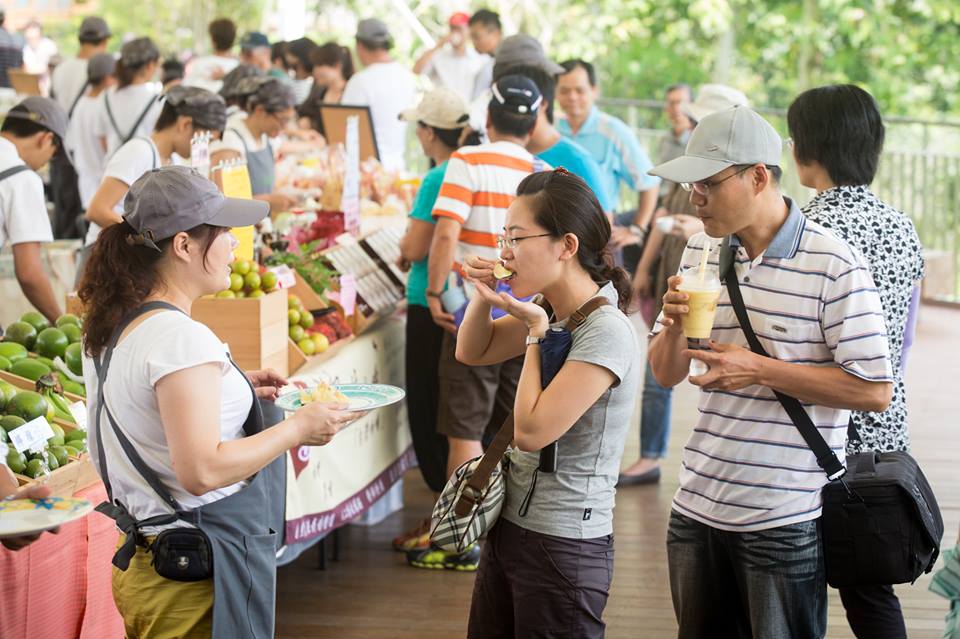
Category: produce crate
<point>311,300</point>
<point>68,480</point>
<point>25,384</point>
<point>255,328</point>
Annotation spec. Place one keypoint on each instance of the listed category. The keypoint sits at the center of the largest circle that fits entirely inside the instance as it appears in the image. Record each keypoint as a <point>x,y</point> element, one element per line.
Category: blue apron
<point>261,166</point>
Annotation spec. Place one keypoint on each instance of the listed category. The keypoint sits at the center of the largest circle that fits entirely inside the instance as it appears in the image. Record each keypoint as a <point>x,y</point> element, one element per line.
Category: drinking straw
<point>705,255</point>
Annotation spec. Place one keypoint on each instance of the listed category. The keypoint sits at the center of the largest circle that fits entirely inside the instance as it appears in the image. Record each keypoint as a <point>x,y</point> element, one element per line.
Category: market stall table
<point>60,586</point>
<point>329,486</point>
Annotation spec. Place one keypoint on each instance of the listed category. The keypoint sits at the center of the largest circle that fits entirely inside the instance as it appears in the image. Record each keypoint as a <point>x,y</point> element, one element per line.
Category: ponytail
<point>124,74</point>
<point>118,277</point>
<point>563,203</point>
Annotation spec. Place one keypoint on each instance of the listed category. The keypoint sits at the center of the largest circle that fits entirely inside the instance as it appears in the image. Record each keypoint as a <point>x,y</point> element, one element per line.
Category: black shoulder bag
<point>881,523</point>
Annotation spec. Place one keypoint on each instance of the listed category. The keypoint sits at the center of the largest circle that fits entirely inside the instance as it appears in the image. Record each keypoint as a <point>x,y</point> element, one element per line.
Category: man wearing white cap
<point>743,543</point>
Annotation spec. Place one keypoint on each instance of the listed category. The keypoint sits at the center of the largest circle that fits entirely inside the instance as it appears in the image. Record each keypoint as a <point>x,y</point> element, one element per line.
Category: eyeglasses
<point>511,242</point>
<point>703,186</point>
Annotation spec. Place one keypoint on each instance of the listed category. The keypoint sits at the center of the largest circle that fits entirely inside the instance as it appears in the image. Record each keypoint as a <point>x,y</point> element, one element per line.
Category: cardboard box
<point>254,328</point>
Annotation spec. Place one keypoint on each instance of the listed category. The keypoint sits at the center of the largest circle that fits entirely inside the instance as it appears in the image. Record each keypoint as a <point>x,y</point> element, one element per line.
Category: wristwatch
<point>533,340</point>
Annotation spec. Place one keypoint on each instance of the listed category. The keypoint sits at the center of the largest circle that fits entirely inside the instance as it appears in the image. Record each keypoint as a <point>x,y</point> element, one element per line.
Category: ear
<point>571,246</point>
<point>180,247</point>
<point>761,178</point>
<point>184,122</point>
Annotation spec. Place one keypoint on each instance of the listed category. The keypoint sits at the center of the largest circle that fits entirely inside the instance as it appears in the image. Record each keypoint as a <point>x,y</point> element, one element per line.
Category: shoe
<point>436,559</point>
<point>652,476</point>
<point>416,539</point>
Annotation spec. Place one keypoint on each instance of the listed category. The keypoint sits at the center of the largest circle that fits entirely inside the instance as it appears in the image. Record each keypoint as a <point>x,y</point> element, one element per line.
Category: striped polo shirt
<point>478,187</point>
<point>811,301</point>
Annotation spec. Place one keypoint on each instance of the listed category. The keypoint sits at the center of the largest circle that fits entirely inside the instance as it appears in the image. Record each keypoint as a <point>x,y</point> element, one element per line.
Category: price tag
<point>79,412</point>
<point>348,294</point>
<point>350,199</point>
<point>32,436</point>
<point>200,153</point>
<point>245,236</point>
<point>236,182</point>
<point>285,276</point>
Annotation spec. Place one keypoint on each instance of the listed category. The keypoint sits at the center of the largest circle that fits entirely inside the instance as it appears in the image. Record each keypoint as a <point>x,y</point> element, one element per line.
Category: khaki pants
<point>154,607</point>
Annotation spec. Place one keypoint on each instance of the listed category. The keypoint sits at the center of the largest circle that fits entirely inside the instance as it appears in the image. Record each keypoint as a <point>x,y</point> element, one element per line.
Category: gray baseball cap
<point>100,66</point>
<point>273,94</point>
<point>207,109</point>
<point>523,50</point>
<point>138,51</point>
<point>737,135</point>
<point>43,111</point>
<point>232,84</point>
<point>173,199</point>
<point>94,28</point>
<point>373,30</point>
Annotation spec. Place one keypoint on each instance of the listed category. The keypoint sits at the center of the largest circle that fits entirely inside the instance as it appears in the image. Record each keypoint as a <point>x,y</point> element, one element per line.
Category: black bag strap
<point>76,100</point>
<point>826,458</point>
<point>472,492</point>
<point>102,367</point>
<point>13,170</point>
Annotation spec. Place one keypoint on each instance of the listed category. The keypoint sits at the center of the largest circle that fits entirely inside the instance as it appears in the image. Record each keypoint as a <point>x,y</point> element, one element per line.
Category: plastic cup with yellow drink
<point>702,286</point>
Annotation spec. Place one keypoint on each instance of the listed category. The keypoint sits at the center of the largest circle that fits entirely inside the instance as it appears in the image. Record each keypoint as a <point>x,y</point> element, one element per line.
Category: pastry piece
<point>501,272</point>
<point>323,393</point>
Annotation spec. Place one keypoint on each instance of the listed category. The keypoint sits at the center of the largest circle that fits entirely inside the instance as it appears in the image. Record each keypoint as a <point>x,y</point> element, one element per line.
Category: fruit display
<point>17,407</point>
<point>32,348</point>
<point>311,335</point>
<point>248,279</point>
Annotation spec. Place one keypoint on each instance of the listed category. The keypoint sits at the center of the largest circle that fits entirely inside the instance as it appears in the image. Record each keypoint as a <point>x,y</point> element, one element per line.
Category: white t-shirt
<point>131,160</point>
<point>162,344</point>
<point>301,89</point>
<point>23,207</point>
<point>127,104</point>
<point>230,140</point>
<point>83,145</point>
<point>200,71</point>
<point>68,79</point>
<point>456,72</point>
<point>387,88</point>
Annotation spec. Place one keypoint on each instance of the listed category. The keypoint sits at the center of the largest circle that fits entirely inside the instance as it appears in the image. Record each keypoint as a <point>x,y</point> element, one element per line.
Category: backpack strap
<point>13,170</point>
<point>76,100</point>
<point>143,114</point>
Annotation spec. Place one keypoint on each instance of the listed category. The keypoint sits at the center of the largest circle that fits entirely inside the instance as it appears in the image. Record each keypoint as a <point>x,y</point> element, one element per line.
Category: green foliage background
<point>903,51</point>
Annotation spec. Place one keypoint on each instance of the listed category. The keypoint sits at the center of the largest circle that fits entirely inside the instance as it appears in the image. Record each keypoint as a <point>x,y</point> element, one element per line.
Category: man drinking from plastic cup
<point>743,543</point>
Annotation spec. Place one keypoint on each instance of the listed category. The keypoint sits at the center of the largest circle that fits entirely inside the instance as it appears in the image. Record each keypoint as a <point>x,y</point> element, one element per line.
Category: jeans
<point>768,584</point>
<point>654,417</point>
<point>873,612</point>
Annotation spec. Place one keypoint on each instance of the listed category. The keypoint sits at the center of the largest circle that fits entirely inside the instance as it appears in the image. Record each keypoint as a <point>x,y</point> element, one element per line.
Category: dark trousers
<point>535,586</point>
<point>424,339</point>
<point>767,584</point>
<point>873,612</point>
<point>65,193</point>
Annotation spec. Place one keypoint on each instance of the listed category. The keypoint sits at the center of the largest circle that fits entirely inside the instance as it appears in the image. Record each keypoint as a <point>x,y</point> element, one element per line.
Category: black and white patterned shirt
<point>889,242</point>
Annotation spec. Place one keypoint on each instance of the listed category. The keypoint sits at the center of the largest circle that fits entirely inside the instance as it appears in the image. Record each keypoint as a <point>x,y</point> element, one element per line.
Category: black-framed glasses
<point>703,186</point>
<point>511,242</point>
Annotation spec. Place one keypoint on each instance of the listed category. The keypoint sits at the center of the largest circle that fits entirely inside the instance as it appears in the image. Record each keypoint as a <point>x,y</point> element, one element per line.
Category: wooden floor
<point>371,593</point>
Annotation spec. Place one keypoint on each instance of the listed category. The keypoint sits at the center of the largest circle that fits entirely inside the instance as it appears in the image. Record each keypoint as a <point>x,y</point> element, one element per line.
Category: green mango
<point>13,351</point>
<point>28,405</point>
<point>30,368</point>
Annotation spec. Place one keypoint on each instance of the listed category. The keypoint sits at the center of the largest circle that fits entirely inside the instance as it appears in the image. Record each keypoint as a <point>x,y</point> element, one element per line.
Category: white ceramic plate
<point>20,517</point>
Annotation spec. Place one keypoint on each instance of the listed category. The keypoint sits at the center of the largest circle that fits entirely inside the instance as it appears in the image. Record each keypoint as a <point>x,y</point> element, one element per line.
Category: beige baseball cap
<point>712,98</point>
<point>442,108</point>
<point>726,138</point>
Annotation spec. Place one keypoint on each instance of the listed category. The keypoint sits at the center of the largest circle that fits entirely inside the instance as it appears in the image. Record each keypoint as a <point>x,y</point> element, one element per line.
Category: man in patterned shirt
<point>887,239</point>
<point>744,544</point>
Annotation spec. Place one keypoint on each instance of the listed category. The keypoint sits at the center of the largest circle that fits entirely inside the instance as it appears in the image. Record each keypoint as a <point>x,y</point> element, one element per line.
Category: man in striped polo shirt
<point>471,209</point>
<point>743,544</point>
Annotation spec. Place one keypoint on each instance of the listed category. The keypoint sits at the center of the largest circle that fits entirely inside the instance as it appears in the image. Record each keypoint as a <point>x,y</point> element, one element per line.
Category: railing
<point>919,173</point>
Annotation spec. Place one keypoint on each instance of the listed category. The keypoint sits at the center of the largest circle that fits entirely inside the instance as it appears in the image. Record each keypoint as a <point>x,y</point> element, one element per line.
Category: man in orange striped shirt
<point>478,187</point>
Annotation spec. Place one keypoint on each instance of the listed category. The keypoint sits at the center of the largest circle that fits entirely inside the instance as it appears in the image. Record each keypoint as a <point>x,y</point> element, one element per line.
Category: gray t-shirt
<point>576,502</point>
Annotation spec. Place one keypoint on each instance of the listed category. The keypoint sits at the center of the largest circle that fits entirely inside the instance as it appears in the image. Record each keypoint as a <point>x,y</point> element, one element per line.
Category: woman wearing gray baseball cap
<point>177,432</point>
